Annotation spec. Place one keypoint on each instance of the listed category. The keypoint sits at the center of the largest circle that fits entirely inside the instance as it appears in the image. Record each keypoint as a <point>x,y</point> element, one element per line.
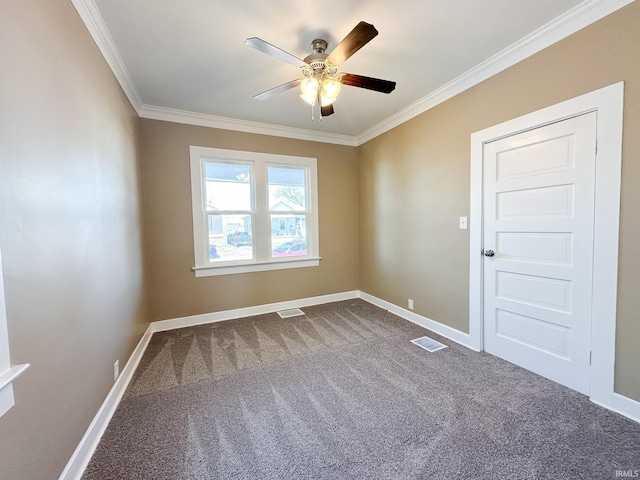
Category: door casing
<point>607,102</point>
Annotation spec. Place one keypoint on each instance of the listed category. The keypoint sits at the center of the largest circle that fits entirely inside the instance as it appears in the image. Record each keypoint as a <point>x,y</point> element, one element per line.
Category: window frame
<point>8,372</point>
<point>261,222</point>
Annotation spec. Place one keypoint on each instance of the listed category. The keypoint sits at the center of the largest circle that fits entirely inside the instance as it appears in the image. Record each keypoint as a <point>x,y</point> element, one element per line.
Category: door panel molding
<point>538,314</point>
<point>608,103</point>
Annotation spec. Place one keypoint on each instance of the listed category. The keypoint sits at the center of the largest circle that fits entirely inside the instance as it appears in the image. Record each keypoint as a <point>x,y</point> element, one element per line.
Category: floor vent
<point>428,344</point>
<point>292,312</point>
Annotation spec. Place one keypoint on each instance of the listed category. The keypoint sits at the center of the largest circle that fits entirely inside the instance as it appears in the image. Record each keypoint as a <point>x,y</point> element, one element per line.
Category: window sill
<point>210,271</point>
<point>6,383</point>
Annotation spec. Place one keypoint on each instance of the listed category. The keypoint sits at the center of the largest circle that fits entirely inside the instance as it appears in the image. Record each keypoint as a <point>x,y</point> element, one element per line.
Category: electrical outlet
<point>116,370</point>
<point>410,304</point>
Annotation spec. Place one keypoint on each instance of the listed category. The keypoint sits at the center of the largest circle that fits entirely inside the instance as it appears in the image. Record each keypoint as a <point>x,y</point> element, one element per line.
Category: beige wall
<point>414,181</point>
<point>70,231</point>
<point>174,291</point>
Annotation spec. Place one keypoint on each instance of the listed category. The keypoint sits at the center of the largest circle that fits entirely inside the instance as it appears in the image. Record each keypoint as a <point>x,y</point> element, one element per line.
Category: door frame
<point>607,102</point>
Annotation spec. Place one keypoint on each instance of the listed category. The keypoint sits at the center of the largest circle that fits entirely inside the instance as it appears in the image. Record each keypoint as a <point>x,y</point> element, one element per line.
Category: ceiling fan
<point>321,83</point>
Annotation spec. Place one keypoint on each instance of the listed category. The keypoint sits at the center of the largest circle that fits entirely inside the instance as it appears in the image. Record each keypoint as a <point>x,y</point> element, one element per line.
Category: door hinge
<point>596,146</point>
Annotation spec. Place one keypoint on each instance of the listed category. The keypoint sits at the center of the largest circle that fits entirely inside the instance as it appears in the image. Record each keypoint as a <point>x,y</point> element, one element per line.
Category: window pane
<point>228,186</point>
<point>288,235</point>
<point>230,237</point>
<point>287,189</point>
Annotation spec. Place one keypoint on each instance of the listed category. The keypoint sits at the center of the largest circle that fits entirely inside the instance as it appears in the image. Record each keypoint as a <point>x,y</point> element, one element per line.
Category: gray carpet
<point>342,393</point>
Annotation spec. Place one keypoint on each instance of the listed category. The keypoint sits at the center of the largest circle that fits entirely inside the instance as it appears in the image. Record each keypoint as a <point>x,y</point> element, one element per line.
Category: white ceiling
<point>186,60</point>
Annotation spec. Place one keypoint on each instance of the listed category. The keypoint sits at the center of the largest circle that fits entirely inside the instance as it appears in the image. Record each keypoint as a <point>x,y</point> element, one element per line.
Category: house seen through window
<point>253,211</point>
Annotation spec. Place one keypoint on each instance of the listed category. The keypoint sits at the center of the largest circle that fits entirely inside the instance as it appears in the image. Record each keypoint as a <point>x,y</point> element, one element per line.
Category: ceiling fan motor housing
<point>317,61</point>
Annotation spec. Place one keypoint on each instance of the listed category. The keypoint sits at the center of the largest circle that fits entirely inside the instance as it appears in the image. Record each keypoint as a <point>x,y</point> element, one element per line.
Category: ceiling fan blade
<point>377,84</point>
<point>279,89</point>
<point>362,34</point>
<point>326,111</point>
<point>266,47</point>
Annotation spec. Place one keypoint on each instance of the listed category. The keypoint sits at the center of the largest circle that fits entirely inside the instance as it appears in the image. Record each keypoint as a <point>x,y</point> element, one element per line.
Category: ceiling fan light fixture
<point>330,90</point>
<point>309,87</point>
<point>321,82</point>
<point>311,100</point>
<point>325,101</point>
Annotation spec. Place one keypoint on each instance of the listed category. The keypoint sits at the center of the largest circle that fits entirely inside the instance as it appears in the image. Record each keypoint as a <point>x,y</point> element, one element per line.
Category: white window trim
<point>203,268</point>
<point>8,373</point>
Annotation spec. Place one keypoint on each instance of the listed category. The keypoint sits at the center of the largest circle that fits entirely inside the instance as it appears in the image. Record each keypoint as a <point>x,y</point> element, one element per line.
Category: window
<point>253,211</point>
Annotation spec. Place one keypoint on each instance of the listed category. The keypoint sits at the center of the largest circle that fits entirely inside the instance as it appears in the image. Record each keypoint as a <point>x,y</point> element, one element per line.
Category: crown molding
<point>561,27</point>
<point>225,123</point>
<point>90,15</point>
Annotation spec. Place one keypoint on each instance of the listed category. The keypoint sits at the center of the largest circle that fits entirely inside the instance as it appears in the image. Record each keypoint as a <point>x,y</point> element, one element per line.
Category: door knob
<point>489,253</point>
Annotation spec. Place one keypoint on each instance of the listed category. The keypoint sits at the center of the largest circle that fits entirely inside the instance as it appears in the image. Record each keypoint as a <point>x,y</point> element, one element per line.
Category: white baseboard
<point>626,406</point>
<point>84,451</point>
<point>618,403</point>
<point>82,455</point>
<point>87,446</point>
<point>623,405</point>
<point>193,320</point>
<point>437,327</point>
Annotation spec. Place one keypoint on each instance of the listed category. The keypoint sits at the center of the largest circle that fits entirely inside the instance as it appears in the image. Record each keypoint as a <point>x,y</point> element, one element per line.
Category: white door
<point>538,216</point>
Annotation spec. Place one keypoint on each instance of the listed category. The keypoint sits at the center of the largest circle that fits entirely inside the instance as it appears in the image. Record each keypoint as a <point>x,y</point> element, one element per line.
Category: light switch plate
<point>463,223</point>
